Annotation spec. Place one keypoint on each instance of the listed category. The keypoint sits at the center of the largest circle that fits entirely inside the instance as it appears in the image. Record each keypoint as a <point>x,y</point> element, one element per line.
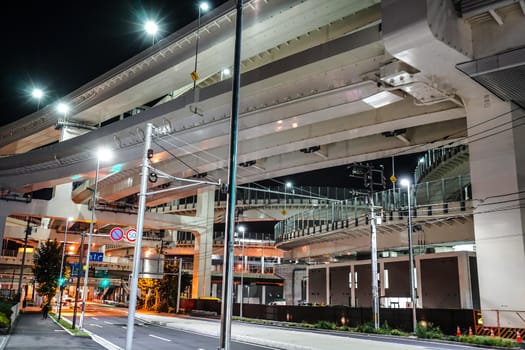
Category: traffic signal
<point>104,283</point>
<point>61,281</point>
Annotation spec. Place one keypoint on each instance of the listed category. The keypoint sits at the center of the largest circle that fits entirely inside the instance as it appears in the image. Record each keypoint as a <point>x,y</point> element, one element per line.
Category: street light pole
<point>28,232</point>
<point>406,183</point>
<point>61,286</point>
<point>100,153</point>
<point>79,273</point>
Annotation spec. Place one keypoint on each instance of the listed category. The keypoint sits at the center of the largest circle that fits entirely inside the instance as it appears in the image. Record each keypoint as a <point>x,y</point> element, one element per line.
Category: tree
<point>46,268</point>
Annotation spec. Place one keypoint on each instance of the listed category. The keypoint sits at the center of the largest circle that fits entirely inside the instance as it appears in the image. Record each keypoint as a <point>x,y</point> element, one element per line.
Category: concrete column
<point>419,288</point>
<point>203,243</point>
<point>263,295</point>
<point>3,219</point>
<point>382,290</point>
<point>327,286</point>
<point>307,285</point>
<point>214,290</point>
<point>497,167</point>
<point>465,286</point>
<point>352,285</point>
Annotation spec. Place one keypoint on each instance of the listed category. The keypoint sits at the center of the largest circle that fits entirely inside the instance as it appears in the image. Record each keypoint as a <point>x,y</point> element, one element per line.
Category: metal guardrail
<point>275,195</point>
<point>346,213</point>
<point>433,158</point>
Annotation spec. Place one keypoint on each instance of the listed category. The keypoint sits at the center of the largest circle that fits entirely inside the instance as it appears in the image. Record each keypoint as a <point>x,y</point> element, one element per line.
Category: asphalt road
<point>111,324</point>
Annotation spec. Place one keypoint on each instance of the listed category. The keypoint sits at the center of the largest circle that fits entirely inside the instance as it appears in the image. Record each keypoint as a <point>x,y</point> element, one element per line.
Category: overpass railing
<point>433,158</point>
<point>344,214</point>
<point>268,196</point>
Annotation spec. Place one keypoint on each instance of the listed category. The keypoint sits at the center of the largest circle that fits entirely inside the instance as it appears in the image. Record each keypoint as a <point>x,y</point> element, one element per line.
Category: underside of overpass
<point>323,84</point>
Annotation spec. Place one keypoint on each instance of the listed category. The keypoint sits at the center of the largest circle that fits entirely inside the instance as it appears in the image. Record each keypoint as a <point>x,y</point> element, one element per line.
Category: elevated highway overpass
<point>323,84</point>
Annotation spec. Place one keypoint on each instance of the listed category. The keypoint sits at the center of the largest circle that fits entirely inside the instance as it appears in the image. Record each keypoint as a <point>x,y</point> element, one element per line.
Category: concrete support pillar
<point>497,167</point>
<point>307,285</point>
<point>214,292</point>
<point>465,286</point>
<point>263,295</point>
<point>352,282</point>
<point>327,286</point>
<point>382,290</point>
<point>238,293</point>
<point>418,286</point>
<point>203,243</point>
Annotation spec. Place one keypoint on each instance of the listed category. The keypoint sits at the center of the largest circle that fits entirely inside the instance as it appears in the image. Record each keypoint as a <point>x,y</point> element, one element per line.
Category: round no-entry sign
<point>131,235</point>
<point>116,233</point>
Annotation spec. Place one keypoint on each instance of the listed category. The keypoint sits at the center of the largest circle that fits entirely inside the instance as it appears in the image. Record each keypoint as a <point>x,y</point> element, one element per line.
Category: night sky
<point>60,45</point>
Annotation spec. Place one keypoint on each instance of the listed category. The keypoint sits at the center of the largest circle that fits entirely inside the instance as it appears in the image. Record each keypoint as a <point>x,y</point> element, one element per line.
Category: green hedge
<point>4,320</point>
<point>5,308</point>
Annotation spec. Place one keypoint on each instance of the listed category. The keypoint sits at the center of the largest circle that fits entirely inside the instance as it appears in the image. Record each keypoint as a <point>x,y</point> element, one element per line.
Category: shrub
<point>5,308</point>
<point>365,328</point>
<point>428,331</point>
<point>4,320</point>
<point>325,325</point>
<point>397,332</point>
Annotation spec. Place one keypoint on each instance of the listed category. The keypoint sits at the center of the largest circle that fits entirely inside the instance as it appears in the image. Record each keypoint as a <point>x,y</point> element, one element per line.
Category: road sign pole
<point>138,248</point>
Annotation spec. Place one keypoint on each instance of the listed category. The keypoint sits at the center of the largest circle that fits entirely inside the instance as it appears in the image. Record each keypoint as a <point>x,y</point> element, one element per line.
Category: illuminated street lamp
<point>103,154</point>
<point>61,280</point>
<point>242,229</point>
<point>37,94</point>
<point>151,28</point>
<point>406,183</point>
<point>203,7</point>
<point>63,108</point>
<point>287,185</point>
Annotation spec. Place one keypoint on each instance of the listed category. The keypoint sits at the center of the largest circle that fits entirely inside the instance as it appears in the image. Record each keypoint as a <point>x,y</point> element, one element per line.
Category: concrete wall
<point>316,285</point>
<point>440,283</point>
<point>340,291</point>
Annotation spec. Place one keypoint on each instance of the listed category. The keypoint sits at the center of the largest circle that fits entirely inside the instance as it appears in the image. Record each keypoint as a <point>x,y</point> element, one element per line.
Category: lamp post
<point>406,183</point>
<point>151,28</point>
<point>63,109</point>
<point>242,229</point>
<point>61,279</point>
<point>105,155</point>
<point>203,7</point>
<point>37,94</point>
<point>286,186</point>
<point>28,232</point>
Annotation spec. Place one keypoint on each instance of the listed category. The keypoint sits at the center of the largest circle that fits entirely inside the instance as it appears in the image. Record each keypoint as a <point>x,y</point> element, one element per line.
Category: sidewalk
<point>31,331</point>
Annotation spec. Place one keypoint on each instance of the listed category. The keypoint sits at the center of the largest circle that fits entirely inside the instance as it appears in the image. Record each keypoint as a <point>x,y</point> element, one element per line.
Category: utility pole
<point>79,273</point>
<point>28,232</point>
<point>372,177</point>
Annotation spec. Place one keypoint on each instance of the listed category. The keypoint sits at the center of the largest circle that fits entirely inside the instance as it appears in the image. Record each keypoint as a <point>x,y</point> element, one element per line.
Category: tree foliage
<point>161,294</point>
<point>46,268</point>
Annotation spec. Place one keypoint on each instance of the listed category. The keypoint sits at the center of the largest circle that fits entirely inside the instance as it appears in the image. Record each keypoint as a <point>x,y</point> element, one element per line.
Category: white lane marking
<point>94,318</point>
<point>124,327</point>
<point>107,322</point>
<point>154,336</point>
<point>97,325</point>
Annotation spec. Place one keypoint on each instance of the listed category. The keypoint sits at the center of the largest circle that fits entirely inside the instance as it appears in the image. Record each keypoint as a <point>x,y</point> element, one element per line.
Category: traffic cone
<point>470,331</point>
<point>518,337</point>
<point>492,333</point>
<point>458,332</point>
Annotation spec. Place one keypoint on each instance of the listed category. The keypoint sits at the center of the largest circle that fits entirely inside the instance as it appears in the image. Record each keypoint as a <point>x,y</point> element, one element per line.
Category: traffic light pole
<point>370,175</point>
<point>80,266</point>
<point>227,278</point>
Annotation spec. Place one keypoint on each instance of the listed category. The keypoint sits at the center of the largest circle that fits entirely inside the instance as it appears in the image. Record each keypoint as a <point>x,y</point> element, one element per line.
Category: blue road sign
<point>96,256</point>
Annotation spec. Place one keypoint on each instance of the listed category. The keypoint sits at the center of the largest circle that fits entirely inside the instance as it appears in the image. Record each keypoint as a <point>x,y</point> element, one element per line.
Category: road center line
<point>154,336</point>
<point>107,322</point>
